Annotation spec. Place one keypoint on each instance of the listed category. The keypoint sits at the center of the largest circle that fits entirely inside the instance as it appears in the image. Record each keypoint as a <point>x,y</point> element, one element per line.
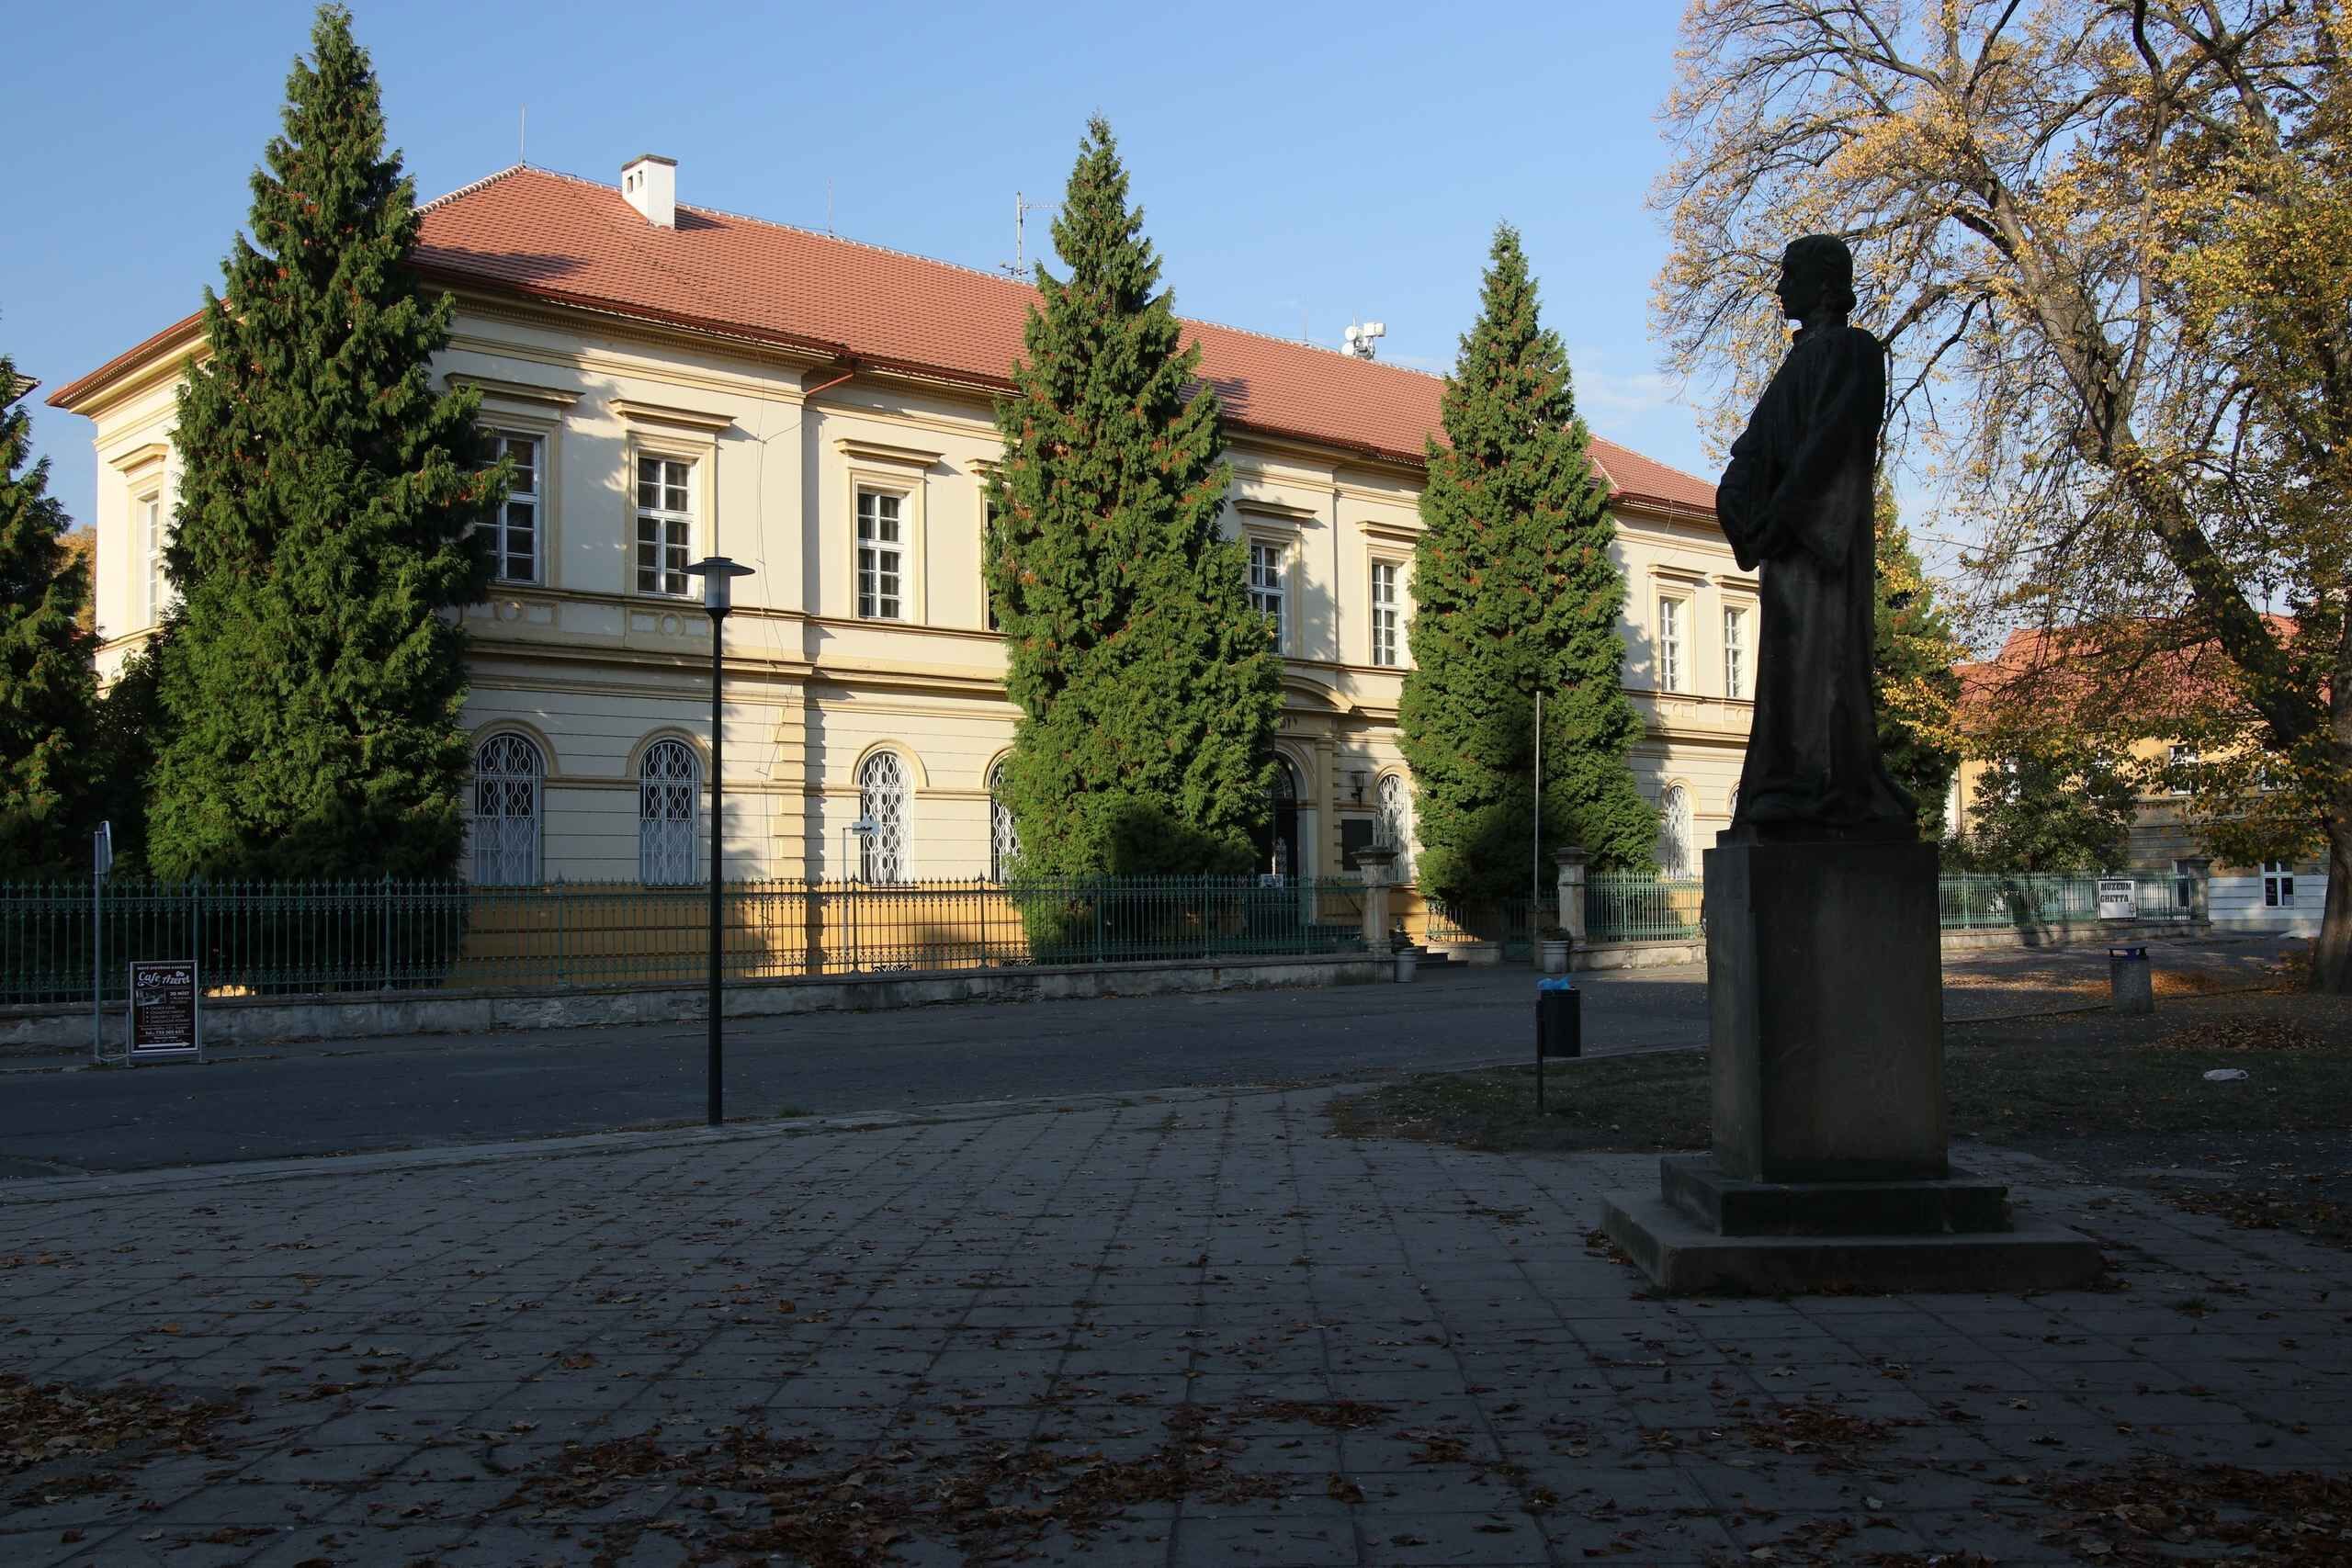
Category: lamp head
<point>719,574</point>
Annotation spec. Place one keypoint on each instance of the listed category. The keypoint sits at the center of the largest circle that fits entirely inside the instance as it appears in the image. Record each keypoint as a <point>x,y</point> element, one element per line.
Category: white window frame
<point>529,490</point>
<point>1268,584</point>
<point>509,811</point>
<point>2182,761</point>
<point>1738,654</point>
<point>1384,626</point>
<point>674,527</point>
<point>2278,885</point>
<point>873,552</point>
<point>990,620</point>
<point>1672,642</point>
<point>669,814</point>
<point>154,537</point>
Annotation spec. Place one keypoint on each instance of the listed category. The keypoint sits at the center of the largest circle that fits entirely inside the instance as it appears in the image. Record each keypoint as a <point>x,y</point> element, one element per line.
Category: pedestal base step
<point>1684,1257</point>
<point>1697,1185</point>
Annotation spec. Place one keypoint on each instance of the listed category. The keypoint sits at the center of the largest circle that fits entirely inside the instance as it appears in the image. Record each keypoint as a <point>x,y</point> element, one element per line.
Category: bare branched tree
<point>2108,243</point>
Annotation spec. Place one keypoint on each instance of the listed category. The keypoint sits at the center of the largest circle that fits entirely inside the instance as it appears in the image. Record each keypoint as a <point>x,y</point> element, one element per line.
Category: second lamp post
<point>717,574</point>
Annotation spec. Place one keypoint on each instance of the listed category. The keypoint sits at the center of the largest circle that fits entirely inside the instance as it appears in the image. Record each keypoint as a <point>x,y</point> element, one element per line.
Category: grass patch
<point>2092,1079</point>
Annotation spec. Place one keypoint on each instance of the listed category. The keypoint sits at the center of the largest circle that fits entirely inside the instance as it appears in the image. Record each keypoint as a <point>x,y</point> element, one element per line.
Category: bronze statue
<point>1797,498</point>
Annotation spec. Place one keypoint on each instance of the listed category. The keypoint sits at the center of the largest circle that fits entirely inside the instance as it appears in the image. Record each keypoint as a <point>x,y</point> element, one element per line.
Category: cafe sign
<point>166,1025</point>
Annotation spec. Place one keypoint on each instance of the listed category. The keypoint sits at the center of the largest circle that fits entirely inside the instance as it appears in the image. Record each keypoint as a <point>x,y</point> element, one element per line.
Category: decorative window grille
<point>1266,587</point>
<point>882,800</point>
<point>669,805</point>
<point>1673,834</point>
<point>1282,793</point>
<point>508,771</point>
<point>1669,645</point>
<point>881,556</point>
<point>515,541</point>
<point>1388,615</point>
<point>665,524</point>
<point>1735,653</point>
<point>151,514</point>
<point>2278,885</point>
<point>1397,823</point>
<point>1004,834</point>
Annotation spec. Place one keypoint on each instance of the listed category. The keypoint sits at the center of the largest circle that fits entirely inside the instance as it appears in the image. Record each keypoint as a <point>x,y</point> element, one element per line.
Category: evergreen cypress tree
<point>1916,686</point>
<point>48,687</point>
<point>312,681</point>
<point>1513,591</point>
<point>1147,685</point>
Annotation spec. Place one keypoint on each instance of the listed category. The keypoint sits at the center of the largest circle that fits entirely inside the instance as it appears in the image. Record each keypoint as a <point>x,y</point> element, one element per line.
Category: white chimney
<point>649,181</point>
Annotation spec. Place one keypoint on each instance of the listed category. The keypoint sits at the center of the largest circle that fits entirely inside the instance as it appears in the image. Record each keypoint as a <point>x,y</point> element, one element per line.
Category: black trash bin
<point>1559,1019</point>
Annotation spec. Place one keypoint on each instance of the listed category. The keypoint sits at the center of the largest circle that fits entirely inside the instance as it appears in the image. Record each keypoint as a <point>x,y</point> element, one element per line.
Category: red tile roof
<point>568,241</point>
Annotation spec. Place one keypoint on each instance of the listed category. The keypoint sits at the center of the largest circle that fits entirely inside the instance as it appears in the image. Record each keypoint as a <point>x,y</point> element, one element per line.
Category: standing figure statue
<point>1797,496</point>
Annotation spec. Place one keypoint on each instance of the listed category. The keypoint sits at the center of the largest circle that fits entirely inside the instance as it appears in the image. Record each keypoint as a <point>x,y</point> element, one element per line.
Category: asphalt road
<point>269,1103</point>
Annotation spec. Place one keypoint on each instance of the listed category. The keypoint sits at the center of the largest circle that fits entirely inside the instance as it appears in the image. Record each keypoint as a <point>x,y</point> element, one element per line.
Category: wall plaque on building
<point>166,1022</point>
<point>2119,899</point>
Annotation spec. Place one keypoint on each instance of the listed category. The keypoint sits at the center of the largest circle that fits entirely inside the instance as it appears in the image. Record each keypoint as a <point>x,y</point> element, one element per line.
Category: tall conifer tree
<point>1147,685</point>
<point>1912,670</point>
<point>1513,591</point>
<point>48,688</point>
<point>313,678</point>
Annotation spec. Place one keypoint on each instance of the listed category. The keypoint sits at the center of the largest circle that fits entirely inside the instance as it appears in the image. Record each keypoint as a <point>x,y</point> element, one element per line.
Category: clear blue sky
<point>1298,164</point>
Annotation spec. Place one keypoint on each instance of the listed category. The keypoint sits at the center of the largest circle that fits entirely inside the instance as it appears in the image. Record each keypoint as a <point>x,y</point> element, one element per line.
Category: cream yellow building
<point>678,382</point>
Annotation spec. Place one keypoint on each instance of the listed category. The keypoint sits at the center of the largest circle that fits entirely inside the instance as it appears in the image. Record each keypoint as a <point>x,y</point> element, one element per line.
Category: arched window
<point>668,805</point>
<point>507,773</point>
<point>882,800</point>
<point>1673,834</point>
<point>1004,835</point>
<point>1397,823</point>
<point>1281,859</point>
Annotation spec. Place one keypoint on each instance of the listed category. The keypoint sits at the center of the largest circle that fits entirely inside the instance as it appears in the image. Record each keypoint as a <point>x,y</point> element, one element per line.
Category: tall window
<point>2181,762</point>
<point>514,542</point>
<point>1388,615</point>
<point>669,802</point>
<point>1669,645</point>
<point>1396,801</point>
<point>1004,835</point>
<point>665,524</point>
<point>2278,885</point>
<point>1735,652</point>
<point>1674,835</point>
<point>1266,587</point>
<point>882,800</point>
<point>507,773</point>
<point>881,555</point>
<point>988,594</point>
<point>152,540</point>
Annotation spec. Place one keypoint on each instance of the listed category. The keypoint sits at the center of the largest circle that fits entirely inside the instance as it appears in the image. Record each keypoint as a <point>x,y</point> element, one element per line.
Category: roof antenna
<point>522,132</point>
<point>829,207</point>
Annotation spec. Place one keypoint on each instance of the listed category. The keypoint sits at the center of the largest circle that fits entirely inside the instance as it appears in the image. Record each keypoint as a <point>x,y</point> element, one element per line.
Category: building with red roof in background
<point>676,382</point>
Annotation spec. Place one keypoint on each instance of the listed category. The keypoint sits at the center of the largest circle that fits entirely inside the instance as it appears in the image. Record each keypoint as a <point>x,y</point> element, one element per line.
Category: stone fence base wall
<point>252,1020</point>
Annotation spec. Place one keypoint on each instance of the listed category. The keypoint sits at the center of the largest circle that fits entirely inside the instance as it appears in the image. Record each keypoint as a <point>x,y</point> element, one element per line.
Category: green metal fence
<point>326,938</point>
<point>1629,907</point>
<point>1978,902</point>
<point>1634,907</point>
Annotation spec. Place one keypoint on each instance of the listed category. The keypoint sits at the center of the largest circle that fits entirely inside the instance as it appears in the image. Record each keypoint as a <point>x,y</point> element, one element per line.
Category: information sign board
<point>2119,899</point>
<point>166,1021</point>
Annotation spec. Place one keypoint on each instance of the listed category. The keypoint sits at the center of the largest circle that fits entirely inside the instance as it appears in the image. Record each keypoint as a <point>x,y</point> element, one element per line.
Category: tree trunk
<point>2332,953</point>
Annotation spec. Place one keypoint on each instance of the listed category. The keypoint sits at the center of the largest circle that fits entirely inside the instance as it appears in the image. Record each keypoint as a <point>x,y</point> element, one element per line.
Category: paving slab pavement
<point>1177,1330</point>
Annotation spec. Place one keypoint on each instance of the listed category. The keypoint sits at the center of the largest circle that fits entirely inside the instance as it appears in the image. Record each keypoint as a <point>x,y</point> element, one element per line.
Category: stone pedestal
<point>1829,1166</point>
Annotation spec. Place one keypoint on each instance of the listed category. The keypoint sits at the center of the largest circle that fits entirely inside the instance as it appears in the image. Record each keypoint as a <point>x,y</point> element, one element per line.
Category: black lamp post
<point>717,574</point>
